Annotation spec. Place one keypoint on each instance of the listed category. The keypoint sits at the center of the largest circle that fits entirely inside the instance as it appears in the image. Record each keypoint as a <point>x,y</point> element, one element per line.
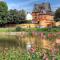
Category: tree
<point>57,15</point>
<point>3,12</point>
<point>21,16</point>
<point>16,17</point>
<point>12,16</point>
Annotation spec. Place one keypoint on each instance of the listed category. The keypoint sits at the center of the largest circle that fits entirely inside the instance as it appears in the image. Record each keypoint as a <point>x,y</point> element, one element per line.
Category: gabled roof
<point>43,8</point>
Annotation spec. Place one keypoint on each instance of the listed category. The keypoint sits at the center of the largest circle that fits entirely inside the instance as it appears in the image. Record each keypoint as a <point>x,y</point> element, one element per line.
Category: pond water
<point>28,40</point>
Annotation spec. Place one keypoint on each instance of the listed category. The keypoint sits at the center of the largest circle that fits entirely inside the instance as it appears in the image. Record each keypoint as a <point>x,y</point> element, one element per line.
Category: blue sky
<point>28,4</point>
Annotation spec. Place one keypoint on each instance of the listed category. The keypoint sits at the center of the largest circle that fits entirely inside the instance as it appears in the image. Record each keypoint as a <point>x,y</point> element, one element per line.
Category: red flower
<point>33,33</point>
<point>42,35</point>
<point>50,35</point>
<point>32,50</point>
<point>58,33</point>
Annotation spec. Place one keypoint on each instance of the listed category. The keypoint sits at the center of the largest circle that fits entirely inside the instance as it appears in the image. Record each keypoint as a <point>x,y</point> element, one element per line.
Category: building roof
<point>43,8</point>
<point>48,13</point>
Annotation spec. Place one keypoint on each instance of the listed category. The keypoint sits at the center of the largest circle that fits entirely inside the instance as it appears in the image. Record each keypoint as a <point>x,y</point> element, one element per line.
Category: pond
<point>35,39</point>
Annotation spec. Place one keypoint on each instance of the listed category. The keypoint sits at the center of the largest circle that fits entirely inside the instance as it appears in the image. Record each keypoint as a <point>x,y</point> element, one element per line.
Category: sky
<point>29,4</point>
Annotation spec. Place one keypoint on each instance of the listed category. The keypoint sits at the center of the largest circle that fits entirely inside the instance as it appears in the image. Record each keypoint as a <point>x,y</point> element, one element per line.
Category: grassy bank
<point>18,29</point>
<point>7,29</point>
<point>53,29</point>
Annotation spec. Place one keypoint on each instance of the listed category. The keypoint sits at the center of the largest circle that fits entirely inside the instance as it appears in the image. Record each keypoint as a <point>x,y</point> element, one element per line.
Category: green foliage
<point>21,17</point>
<point>19,54</point>
<point>57,15</point>
<point>7,30</point>
<point>22,14</point>
<point>3,12</point>
<point>15,16</point>
<point>18,29</point>
<point>57,29</point>
<point>41,29</point>
<point>46,30</point>
<point>11,16</point>
<point>3,8</point>
<point>16,54</point>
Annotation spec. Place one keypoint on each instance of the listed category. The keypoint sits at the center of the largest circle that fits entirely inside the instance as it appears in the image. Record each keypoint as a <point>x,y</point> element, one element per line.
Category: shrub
<point>42,29</point>
<point>18,28</point>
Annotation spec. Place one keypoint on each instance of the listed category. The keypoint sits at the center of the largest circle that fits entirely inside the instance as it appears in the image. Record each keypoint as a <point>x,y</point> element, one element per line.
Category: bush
<point>18,28</point>
<point>42,29</point>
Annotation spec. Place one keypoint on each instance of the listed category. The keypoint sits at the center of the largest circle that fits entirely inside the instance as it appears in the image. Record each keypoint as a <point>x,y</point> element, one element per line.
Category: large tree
<point>57,15</point>
<point>3,12</point>
<point>15,16</point>
<point>21,16</point>
<point>12,16</point>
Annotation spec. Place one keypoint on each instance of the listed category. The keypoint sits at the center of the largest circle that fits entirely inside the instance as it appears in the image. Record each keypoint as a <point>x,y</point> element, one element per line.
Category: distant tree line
<point>11,16</point>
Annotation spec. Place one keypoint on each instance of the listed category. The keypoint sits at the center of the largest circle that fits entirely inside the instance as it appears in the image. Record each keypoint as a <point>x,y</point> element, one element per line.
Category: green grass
<point>7,29</point>
<point>10,54</point>
<point>13,53</point>
<point>56,29</point>
<point>14,29</point>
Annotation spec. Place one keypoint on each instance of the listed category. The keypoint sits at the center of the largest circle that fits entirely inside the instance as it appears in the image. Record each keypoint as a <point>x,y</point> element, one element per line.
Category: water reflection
<point>36,39</point>
<point>32,39</point>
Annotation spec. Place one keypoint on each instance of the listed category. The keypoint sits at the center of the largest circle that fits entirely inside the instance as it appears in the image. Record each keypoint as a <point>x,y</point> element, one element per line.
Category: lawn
<point>7,29</point>
<point>17,29</point>
<point>52,29</point>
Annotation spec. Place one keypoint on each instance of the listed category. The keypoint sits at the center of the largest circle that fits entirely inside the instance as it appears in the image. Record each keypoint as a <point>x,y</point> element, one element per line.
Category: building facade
<point>42,14</point>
